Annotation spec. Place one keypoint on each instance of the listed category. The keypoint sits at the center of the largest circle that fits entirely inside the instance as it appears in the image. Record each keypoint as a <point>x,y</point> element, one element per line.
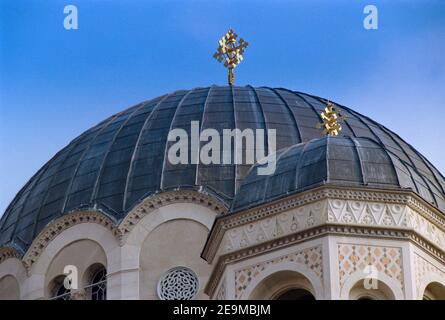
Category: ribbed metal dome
<point>114,165</point>
<point>339,161</point>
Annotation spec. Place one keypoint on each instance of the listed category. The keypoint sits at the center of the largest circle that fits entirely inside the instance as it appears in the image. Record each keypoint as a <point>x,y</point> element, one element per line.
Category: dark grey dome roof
<point>117,163</point>
<point>339,161</point>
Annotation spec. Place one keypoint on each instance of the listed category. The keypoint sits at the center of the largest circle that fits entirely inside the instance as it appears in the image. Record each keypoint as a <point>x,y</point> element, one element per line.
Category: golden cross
<point>330,117</point>
<point>231,52</point>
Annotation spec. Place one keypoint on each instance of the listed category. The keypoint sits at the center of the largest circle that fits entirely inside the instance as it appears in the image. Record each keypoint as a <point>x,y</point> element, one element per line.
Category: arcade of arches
<point>237,265</point>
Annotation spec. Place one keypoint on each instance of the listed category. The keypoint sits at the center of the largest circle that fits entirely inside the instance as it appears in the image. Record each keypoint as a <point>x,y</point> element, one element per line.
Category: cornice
<point>387,196</point>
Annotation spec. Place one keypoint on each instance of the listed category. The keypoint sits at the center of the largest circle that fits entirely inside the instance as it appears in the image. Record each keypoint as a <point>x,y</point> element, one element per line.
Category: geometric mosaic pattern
<point>310,257</point>
<point>353,257</point>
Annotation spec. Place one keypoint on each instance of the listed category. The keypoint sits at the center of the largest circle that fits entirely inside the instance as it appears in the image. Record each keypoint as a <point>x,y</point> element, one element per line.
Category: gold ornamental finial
<point>330,116</point>
<point>231,52</point>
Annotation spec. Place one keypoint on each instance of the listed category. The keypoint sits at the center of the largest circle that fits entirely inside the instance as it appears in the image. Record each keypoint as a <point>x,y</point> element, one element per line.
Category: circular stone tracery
<point>179,283</point>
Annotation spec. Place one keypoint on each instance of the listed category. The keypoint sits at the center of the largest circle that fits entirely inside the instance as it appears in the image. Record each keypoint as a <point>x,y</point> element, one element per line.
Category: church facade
<point>359,215</point>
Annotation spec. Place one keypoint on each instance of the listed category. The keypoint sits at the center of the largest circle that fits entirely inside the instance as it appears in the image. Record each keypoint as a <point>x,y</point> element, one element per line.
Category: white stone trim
<point>358,276</point>
<point>35,283</point>
<point>287,266</point>
<point>14,267</point>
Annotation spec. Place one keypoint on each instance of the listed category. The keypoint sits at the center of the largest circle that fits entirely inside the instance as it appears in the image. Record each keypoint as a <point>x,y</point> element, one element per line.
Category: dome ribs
<point>91,143</point>
<point>316,133</point>
<point>135,150</point>
<point>422,159</point>
<point>267,187</point>
<point>235,126</point>
<point>360,161</point>
<point>298,166</point>
<point>377,139</point>
<point>266,127</point>
<point>218,115</point>
<point>174,125</point>
<point>286,104</point>
<point>37,219</point>
<point>17,220</point>
<point>98,179</point>
<point>390,135</point>
<point>201,126</point>
<point>67,154</point>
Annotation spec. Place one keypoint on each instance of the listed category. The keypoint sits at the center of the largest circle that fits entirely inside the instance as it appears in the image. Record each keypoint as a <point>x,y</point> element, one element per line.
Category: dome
<point>116,164</point>
<point>340,161</point>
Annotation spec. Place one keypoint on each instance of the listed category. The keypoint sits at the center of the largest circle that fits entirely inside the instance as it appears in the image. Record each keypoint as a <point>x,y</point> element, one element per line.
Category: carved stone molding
<point>7,253</point>
<point>54,228</point>
<point>275,226</point>
<point>222,292</point>
<point>385,208</point>
<point>331,211</point>
<point>153,202</point>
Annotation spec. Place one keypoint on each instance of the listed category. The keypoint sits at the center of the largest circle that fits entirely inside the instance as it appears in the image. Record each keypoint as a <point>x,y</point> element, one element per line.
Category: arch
<point>283,277</point>
<point>388,288</point>
<point>151,232</point>
<point>180,210</point>
<point>98,233</point>
<point>95,282</point>
<point>174,243</point>
<point>60,225</point>
<point>294,294</point>
<point>432,287</point>
<point>90,273</point>
<point>13,267</point>
<point>79,255</point>
<point>57,290</point>
<point>9,288</point>
<point>150,204</point>
<point>382,292</point>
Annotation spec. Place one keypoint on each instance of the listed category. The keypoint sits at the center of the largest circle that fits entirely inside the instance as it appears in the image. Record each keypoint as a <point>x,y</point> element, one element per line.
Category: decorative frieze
<point>274,227</point>
<point>330,211</point>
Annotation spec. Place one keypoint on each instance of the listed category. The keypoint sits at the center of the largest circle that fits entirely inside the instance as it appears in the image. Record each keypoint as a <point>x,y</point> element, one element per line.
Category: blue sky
<point>54,83</point>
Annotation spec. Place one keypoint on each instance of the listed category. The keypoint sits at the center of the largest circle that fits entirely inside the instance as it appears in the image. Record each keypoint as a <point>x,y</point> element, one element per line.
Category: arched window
<point>97,287</point>
<point>59,291</point>
<point>380,292</point>
<point>296,294</point>
<point>434,291</point>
